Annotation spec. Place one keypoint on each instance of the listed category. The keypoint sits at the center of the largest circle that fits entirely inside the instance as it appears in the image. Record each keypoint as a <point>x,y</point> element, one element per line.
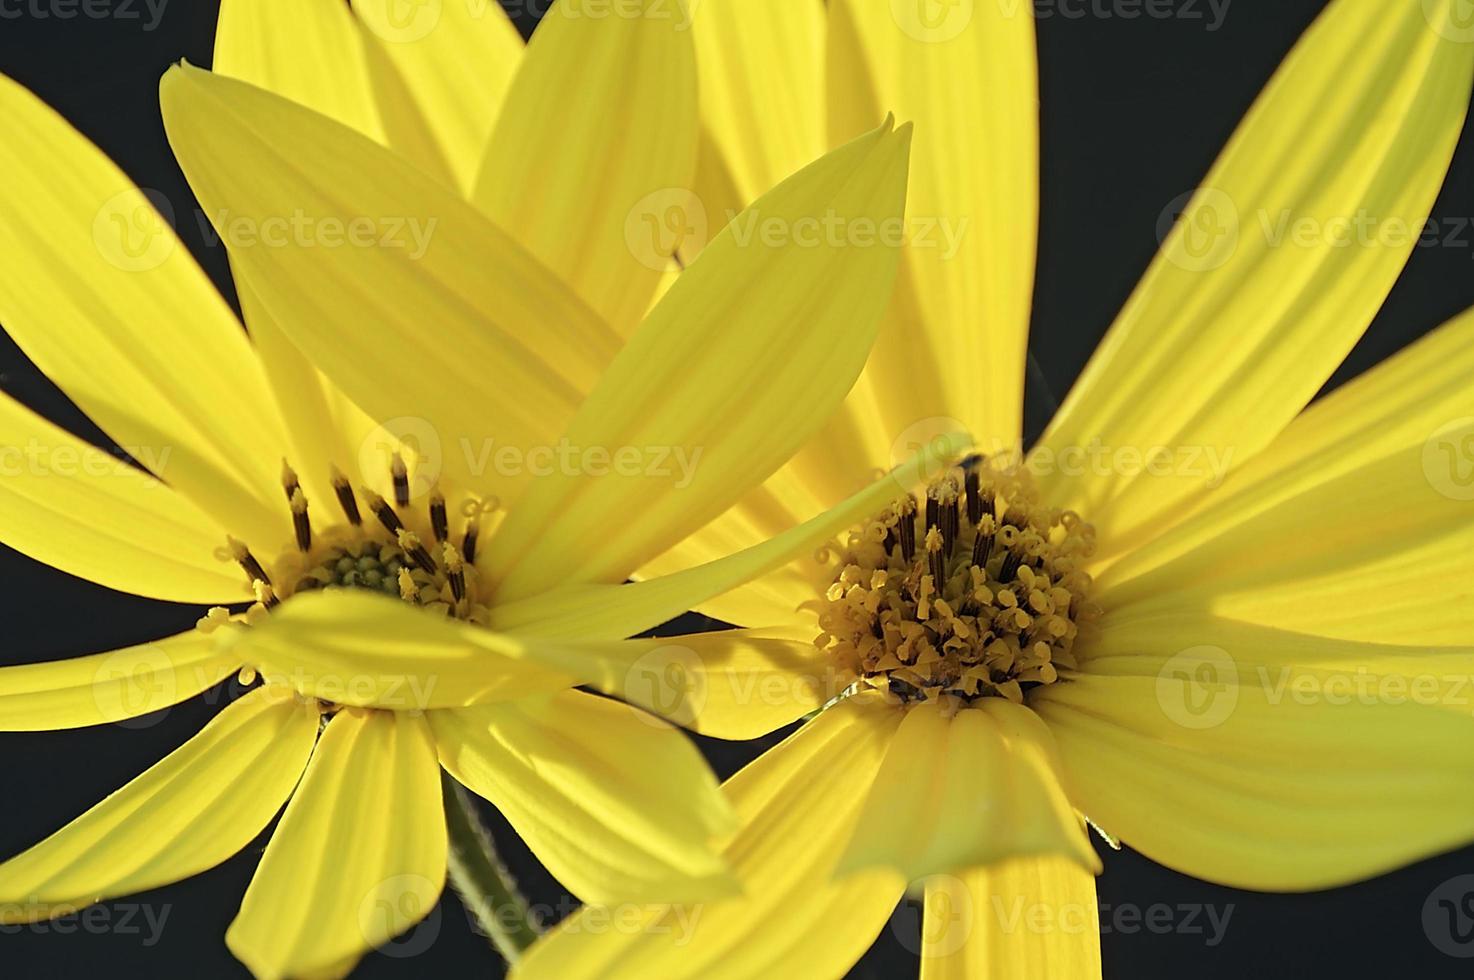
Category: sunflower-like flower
<point>1225,624</point>
<point>392,617</point>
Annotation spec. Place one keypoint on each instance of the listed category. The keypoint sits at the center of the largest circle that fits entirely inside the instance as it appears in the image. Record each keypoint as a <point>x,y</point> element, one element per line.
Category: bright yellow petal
<point>1227,762</point>
<point>359,855</point>
<point>1367,488</point>
<point>354,647</point>
<point>100,293</point>
<point>976,788</point>
<point>1020,920</point>
<point>742,361</point>
<point>463,338</point>
<point>86,512</point>
<point>197,807</point>
<point>441,71</point>
<point>1274,270</point>
<point>617,804</point>
<point>798,803</point>
<point>612,612</point>
<point>597,136</point>
<point>109,687</point>
<point>955,341</point>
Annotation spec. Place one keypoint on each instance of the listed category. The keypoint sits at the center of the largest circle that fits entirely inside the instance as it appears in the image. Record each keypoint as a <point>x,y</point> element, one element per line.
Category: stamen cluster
<point>975,591</point>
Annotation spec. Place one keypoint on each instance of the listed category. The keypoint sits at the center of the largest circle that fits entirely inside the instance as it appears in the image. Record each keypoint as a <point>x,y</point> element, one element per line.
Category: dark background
<point>1134,112</point>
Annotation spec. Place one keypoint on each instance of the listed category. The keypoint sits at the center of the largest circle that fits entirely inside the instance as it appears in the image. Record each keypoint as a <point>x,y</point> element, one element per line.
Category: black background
<point>1134,113</point>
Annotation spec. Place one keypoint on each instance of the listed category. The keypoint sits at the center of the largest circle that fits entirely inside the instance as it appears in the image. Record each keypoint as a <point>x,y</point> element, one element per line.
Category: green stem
<point>486,887</point>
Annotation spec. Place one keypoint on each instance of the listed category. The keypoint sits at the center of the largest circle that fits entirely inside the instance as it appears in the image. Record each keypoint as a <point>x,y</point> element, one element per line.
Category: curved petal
<point>955,341</point>
<point>1274,270</point>
<point>194,809</point>
<point>1229,760</point>
<point>613,612</point>
<point>441,72</point>
<point>974,788</point>
<point>1368,487</point>
<point>103,297</point>
<point>1019,920</point>
<point>798,315</point>
<point>88,513</point>
<point>359,855</point>
<point>109,687</point>
<point>357,648</point>
<point>622,88</point>
<point>617,804</point>
<point>797,803</point>
<point>511,351</point>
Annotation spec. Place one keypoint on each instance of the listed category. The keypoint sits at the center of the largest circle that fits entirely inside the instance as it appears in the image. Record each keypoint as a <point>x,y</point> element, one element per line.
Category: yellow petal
<point>761,75</point>
<point>955,341</point>
<point>441,72</point>
<point>359,855</point>
<point>1231,765</point>
<point>621,86</point>
<point>109,687</point>
<point>742,361</point>
<point>1352,524</point>
<point>309,51</point>
<point>463,339</point>
<point>976,788</point>
<point>798,803</point>
<point>197,807</point>
<point>617,804</point>
<point>612,612</point>
<point>86,512</point>
<point>104,298</point>
<point>354,647</point>
<point>1020,920</point>
<point>1274,270</point>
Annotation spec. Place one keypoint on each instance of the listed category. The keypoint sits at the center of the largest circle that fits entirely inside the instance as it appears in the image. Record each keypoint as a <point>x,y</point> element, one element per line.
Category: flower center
<point>978,594</point>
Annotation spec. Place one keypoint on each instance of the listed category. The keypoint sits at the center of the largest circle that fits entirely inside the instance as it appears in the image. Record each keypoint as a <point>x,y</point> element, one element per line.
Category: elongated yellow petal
<point>798,803</point>
<point>100,293</point>
<point>622,87</point>
<point>358,648</point>
<point>77,508</point>
<point>1023,919</point>
<point>194,809</point>
<point>464,338</point>
<point>612,612</point>
<point>762,115</point>
<point>441,72</point>
<point>1232,765</point>
<point>617,804</point>
<point>955,340</point>
<point>976,788</point>
<point>359,855</point>
<point>109,687</point>
<point>738,684</point>
<point>796,314</point>
<point>1367,488</point>
<point>1275,268</point>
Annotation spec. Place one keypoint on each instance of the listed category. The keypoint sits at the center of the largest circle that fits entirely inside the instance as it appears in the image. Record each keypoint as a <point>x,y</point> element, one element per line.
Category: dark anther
<point>982,550</point>
<point>973,484</point>
<point>907,527</point>
<point>890,541</point>
<point>1011,563</point>
<point>938,565</point>
<point>468,543</point>
<point>346,500</point>
<point>301,522</point>
<point>417,553</point>
<point>248,563</point>
<point>439,523</point>
<point>400,472</point>
<point>384,512</point>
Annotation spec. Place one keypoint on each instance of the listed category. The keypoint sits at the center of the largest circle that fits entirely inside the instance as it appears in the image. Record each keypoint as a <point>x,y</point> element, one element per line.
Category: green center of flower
<point>976,591</point>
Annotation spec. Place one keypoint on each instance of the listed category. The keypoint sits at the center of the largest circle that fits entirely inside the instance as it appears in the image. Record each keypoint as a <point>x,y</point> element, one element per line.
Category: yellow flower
<point>465,345</point>
<point>1250,682</point>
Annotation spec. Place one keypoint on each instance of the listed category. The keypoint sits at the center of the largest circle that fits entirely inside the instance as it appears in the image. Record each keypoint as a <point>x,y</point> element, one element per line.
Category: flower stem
<point>484,884</point>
